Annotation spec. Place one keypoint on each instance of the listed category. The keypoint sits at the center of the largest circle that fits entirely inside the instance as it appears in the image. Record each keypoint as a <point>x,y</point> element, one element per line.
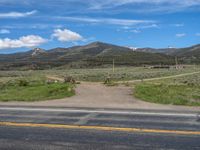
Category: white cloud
<point>24,41</point>
<point>114,3</point>
<point>17,14</point>
<point>135,31</point>
<point>4,31</point>
<point>197,34</point>
<point>149,26</point>
<point>125,22</point>
<point>178,25</point>
<point>179,35</point>
<point>145,6</point>
<point>126,27</point>
<point>31,26</point>
<point>108,6</point>
<point>66,35</point>
<point>113,21</point>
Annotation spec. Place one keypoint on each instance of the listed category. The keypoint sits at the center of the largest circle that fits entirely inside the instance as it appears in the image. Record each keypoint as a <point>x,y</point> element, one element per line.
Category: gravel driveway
<point>97,95</point>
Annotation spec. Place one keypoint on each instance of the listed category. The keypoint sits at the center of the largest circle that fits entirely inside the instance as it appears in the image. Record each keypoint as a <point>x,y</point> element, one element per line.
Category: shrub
<point>69,79</point>
<point>23,82</point>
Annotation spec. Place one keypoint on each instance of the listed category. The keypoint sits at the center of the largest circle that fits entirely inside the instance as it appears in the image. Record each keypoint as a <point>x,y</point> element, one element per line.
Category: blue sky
<point>25,24</point>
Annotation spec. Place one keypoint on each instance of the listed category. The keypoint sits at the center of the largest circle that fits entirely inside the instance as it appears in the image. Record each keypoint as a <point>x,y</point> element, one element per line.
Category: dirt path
<point>167,77</point>
<point>97,95</point>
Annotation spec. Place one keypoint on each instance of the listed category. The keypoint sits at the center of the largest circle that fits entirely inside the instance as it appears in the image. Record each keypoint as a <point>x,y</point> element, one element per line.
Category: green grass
<point>168,94</point>
<point>177,91</point>
<point>183,90</point>
<point>98,74</point>
<point>35,92</point>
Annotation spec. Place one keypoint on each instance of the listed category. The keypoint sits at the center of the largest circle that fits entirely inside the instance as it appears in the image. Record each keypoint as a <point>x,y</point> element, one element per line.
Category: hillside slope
<point>189,55</point>
<point>91,55</point>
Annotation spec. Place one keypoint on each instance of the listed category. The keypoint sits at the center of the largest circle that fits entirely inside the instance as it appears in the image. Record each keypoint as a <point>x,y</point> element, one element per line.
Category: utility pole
<point>113,65</point>
<point>176,61</point>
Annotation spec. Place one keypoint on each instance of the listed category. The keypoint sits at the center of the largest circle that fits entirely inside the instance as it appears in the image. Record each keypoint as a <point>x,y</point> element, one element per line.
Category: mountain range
<point>97,54</point>
<point>188,55</point>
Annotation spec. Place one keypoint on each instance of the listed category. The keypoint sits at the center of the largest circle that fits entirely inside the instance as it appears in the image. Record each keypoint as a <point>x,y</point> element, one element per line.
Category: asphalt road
<point>70,128</point>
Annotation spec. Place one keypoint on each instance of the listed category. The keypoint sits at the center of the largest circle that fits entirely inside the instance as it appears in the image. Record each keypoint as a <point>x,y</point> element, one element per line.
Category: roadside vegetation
<point>109,82</point>
<point>175,91</point>
<point>99,74</point>
<point>32,85</point>
<point>34,90</point>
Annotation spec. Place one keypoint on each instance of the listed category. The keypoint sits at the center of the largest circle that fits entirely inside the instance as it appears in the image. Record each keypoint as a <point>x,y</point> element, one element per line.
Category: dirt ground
<point>97,95</point>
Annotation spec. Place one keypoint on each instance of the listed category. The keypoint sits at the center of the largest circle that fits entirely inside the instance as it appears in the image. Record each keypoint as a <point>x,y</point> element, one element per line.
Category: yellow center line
<point>104,128</point>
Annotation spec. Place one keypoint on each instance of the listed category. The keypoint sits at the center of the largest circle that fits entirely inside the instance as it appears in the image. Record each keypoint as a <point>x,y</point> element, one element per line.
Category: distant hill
<point>167,51</point>
<point>185,55</point>
<point>91,55</point>
<point>189,54</point>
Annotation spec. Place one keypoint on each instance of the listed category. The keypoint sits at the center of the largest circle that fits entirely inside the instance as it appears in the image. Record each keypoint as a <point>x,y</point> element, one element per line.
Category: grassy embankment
<point>23,90</point>
<point>175,91</point>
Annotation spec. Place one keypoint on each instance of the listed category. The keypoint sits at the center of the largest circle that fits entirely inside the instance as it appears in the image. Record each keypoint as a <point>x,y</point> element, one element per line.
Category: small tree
<point>69,79</point>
